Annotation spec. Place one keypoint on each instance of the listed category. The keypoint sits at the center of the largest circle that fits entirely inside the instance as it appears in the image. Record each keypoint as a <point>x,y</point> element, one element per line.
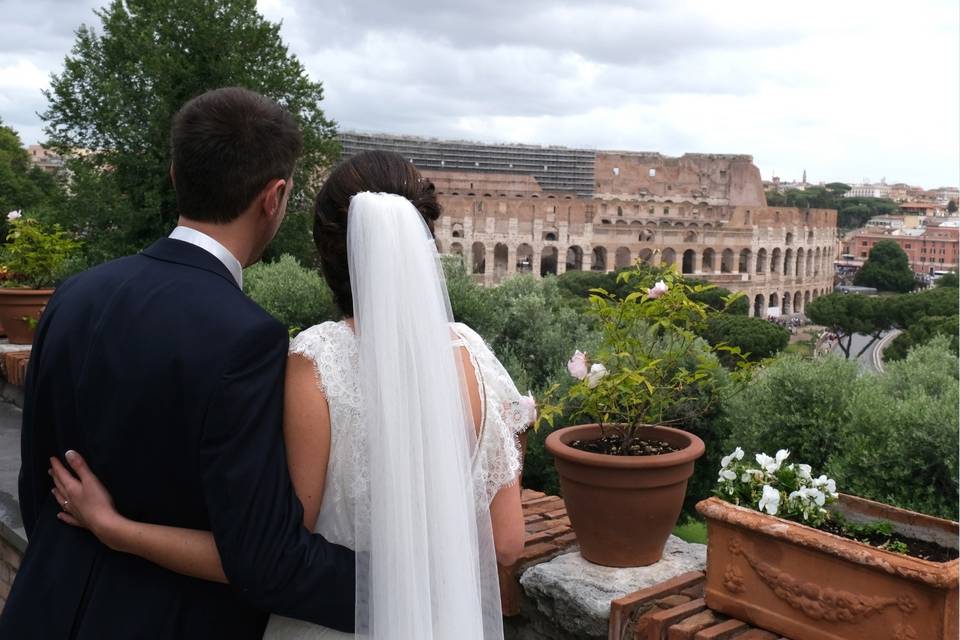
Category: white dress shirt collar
<point>214,248</point>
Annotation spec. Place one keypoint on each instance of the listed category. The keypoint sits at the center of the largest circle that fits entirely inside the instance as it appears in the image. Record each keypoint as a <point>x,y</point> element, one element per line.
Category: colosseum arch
<point>690,237</point>
<point>621,258</point>
<point>762,261</point>
<point>524,258</point>
<point>744,265</point>
<point>797,302</point>
<point>816,262</point>
<point>806,299</point>
<point>456,230</point>
<point>788,262</point>
<point>501,260</point>
<point>645,255</point>
<point>799,268</point>
<point>808,268</point>
<point>785,308</point>
<point>774,300</point>
<point>479,262</point>
<point>456,249</point>
<point>548,261</point>
<point>726,261</point>
<point>645,236</point>
<point>709,258</point>
<point>550,234</point>
<point>668,257</point>
<point>789,239</point>
<point>689,261</point>
<point>599,262</point>
<point>574,258</point>
<point>758,308</point>
<point>775,260</point>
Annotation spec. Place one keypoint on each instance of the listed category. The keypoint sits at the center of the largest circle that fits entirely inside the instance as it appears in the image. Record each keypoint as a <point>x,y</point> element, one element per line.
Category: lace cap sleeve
<point>505,417</point>
<point>314,343</point>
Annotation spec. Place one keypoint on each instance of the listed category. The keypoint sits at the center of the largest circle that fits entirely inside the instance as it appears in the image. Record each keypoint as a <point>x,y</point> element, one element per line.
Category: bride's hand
<point>86,503</point>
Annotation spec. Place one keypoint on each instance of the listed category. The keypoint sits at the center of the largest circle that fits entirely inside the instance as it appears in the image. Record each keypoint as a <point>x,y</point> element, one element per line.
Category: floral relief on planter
<point>807,584</point>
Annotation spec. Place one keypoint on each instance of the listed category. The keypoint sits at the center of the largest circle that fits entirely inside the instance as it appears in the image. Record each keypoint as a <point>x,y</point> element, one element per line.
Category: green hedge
<point>296,296</point>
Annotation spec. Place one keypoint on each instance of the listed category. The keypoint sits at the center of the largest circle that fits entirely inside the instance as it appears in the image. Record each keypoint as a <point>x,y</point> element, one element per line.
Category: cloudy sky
<point>845,89</point>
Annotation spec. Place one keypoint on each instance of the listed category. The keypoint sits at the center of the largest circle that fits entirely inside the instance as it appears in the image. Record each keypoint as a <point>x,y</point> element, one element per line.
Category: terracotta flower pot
<point>19,311</point>
<point>807,584</point>
<point>623,508</point>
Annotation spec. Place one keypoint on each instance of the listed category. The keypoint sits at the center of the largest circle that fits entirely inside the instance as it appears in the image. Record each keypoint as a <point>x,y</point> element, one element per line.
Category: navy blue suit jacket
<point>169,381</point>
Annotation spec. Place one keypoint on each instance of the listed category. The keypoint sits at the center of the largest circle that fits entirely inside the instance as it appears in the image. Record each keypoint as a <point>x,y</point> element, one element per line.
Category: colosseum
<point>512,209</point>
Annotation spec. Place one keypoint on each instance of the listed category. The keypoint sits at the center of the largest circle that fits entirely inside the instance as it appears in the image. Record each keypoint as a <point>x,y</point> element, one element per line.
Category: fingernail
<point>71,454</point>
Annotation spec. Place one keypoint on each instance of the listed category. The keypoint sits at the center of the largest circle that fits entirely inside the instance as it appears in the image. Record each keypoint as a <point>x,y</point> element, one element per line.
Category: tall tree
<point>847,314</point>
<point>887,269</point>
<point>22,186</point>
<point>119,90</point>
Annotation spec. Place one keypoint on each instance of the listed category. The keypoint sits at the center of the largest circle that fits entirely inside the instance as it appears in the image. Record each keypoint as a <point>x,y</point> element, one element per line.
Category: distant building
<point>929,248</point>
<point>511,208</point>
<point>48,160</point>
<point>868,191</point>
<point>923,208</point>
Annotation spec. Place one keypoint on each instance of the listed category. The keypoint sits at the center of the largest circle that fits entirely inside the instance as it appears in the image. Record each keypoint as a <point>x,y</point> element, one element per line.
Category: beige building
<point>546,210</point>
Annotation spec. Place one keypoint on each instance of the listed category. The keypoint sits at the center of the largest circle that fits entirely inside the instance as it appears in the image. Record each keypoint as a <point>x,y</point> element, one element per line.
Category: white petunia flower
<point>772,465</point>
<point>770,500</point>
<point>823,482</point>
<point>736,455</point>
<point>597,371</point>
<point>727,474</point>
<point>803,470</point>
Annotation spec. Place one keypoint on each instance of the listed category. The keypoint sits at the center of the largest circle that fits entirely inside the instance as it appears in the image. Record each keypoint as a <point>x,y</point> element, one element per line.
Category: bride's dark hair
<point>375,171</point>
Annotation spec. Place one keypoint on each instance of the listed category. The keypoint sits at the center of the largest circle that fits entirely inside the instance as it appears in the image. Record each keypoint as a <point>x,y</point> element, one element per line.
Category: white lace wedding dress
<point>333,349</point>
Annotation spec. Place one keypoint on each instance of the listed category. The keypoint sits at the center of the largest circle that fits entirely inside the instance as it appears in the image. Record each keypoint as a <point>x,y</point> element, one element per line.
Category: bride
<point>400,427</point>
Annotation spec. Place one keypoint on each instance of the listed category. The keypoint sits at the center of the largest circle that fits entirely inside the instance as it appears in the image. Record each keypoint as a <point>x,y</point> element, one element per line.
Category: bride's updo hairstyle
<point>375,171</point>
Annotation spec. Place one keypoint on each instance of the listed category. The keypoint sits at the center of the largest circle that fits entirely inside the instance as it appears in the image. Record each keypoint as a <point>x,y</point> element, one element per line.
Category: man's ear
<point>273,196</point>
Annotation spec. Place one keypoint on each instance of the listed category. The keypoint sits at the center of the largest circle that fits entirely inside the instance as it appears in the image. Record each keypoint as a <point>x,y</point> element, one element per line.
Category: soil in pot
<point>881,536</point>
<point>613,445</point>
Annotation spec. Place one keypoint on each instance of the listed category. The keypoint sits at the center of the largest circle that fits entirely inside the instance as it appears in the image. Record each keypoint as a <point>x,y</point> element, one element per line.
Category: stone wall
<point>12,546</point>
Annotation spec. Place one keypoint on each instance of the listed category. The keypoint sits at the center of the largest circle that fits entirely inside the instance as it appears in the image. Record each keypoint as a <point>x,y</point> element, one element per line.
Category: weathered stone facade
<point>705,213</point>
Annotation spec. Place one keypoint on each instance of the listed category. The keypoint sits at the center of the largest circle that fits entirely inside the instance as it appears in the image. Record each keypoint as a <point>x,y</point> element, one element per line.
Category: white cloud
<point>842,89</point>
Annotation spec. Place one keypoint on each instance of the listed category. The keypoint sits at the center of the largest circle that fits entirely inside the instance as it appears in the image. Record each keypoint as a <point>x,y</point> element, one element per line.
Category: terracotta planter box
<point>807,584</point>
<point>623,508</point>
<point>19,311</point>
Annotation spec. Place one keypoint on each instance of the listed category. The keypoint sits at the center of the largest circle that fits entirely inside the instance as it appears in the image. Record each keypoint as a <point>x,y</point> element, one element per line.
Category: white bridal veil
<point>426,566</point>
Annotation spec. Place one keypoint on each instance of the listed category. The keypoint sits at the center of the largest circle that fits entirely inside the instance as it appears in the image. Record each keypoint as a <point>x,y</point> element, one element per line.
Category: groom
<point>170,382</point>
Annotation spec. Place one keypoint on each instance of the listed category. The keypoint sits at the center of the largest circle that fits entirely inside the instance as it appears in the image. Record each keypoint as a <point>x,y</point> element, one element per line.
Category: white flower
<point>14,215</point>
<point>805,494</point>
<point>727,474</point>
<point>578,365</point>
<point>657,290</point>
<point>751,474</point>
<point>803,470</point>
<point>736,455</point>
<point>597,371</point>
<point>772,465</point>
<point>828,483</point>
<point>770,501</point>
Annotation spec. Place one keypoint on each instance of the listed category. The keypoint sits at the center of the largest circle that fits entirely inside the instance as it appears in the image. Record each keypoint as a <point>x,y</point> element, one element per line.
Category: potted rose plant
<point>624,468</point>
<point>32,260</point>
<point>788,553</point>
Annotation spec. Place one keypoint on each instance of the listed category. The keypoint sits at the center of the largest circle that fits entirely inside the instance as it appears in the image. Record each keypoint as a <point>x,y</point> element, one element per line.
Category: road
<point>871,359</point>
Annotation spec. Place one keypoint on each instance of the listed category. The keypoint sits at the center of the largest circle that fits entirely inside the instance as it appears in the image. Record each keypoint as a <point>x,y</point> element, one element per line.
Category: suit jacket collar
<point>180,252</point>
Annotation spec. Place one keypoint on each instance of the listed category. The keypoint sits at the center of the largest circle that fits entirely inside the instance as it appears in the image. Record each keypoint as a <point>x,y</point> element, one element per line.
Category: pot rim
<point>937,574</point>
<point>25,291</point>
<point>558,448</point>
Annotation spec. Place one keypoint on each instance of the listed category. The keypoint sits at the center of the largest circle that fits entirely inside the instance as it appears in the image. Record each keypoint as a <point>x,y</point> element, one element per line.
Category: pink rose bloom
<point>529,405</point>
<point>657,290</point>
<point>578,365</point>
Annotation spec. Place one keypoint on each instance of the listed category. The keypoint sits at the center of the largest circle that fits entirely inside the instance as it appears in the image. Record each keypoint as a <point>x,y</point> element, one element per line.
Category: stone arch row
<point>784,303</point>
<point>800,263</point>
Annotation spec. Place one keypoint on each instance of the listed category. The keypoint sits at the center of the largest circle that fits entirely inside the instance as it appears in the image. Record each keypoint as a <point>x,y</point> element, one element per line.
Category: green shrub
<point>792,403</point>
<point>921,332</point>
<point>296,296</point>
<point>756,337</point>
<point>899,445</point>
